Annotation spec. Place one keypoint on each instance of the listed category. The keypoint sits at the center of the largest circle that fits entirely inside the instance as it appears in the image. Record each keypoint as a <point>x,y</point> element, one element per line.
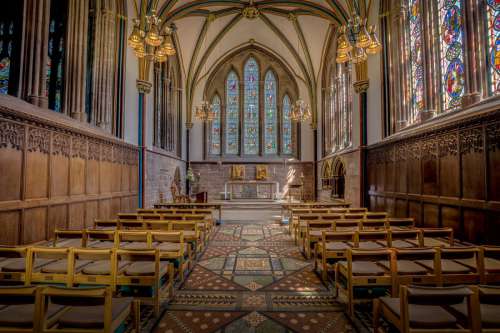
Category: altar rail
<point>58,173</point>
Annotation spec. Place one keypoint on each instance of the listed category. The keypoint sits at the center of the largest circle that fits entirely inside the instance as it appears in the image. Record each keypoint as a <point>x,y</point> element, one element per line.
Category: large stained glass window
<point>55,62</point>
<point>451,34</point>
<point>215,127</point>
<point>416,64</point>
<point>270,115</point>
<point>251,108</point>
<point>232,113</point>
<point>287,126</point>
<point>10,42</point>
<point>493,21</point>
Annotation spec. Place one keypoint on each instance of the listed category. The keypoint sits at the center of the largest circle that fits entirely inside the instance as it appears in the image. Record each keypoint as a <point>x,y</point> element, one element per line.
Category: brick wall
<point>160,171</point>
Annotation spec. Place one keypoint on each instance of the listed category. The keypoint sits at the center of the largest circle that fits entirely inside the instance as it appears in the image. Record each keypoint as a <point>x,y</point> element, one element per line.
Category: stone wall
<point>213,176</point>
<point>352,177</point>
<point>160,171</point>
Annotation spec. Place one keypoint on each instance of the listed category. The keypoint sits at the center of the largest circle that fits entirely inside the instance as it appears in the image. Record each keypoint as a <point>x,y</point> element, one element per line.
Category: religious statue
<point>261,172</point>
<point>237,172</point>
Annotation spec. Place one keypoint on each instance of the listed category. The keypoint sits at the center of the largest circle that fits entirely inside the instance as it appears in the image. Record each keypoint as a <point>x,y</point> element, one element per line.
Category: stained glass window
<point>55,62</point>
<point>251,108</point>
<point>287,126</point>
<point>493,21</point>
<point>232,113</point>
<point>10,39</point>
<point>416,67</point>
<point>270,115</point>
<point>215,127</point>
<point>451,33</point>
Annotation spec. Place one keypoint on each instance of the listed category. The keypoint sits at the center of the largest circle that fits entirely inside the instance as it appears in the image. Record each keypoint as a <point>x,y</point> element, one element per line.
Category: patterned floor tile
<point>318,322</point>
<point>195,321</point>
<point>304,280</point>
<point>203,279</point>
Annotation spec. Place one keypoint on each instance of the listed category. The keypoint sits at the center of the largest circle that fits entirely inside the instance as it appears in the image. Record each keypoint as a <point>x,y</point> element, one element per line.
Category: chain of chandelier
<point>356,41</point>
<point>149,41</point>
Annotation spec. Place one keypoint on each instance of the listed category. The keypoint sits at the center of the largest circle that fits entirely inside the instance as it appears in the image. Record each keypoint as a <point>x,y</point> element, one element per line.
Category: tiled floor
<point>251,278</point>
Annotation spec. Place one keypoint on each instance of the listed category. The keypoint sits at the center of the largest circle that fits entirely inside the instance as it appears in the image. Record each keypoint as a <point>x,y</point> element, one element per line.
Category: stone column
<point>431,61</point>
<point>143,88</point>
<point>104,64</point>
<point>361,88</point>
<point>473,50</point>
<point>76,59</point>
<point>36,52</point>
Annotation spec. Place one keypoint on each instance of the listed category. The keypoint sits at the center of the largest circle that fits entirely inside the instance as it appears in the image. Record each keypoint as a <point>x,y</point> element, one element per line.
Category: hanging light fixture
<point>356,41</point>
<point>152,43</point>
<point>301,112</point>
<point>375,45</point>
<point>205,112</point>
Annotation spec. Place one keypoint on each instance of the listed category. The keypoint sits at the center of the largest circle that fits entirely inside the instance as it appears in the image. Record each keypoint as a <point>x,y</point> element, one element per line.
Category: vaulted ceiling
<point>297,32</point>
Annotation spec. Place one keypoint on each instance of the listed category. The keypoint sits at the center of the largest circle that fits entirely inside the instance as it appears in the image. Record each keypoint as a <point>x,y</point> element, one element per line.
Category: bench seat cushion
<point>337,246</point>
<point>69,242</point>
<point>169,246</point>
<point>19,264</point>
<point>364,268</point>
<point>447,266</point>
<point>369,245</point>
<point>435,242</point>
<point>402,244</point>
<point>135,246</point>
<point>405,267</point>
<point>490,314</point>
<point>21,315</point>
<point>102,244</point>
<point>61,266</point>
<point>102,267</point>
<point>491,265</point>
<point>142,268</point>
<point>92,317</point>
<point>422,316</point>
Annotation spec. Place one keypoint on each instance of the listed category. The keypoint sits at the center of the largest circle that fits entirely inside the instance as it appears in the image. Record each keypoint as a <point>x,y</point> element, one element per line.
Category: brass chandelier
<point>356,41</point>
<point>149,41</point>
<point>205,112</point>
<point>300,112</point>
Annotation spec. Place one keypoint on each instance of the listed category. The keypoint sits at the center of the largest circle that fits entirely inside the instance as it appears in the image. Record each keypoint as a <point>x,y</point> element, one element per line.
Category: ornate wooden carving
<point>429,149</point>
<point>79,147</point>
<point>11,135</point>
<point>94,150</point>
<point>401,152</point>
<point>448,145</point>
<point>106,153</point>
<point>60,144</point>
<point>413,150</point>
<point>471,141</point>
<point>493,136</point>
<point>38,140</point>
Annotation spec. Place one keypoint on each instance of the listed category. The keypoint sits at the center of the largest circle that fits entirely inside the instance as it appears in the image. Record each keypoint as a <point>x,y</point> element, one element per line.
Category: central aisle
<point>252,278</point>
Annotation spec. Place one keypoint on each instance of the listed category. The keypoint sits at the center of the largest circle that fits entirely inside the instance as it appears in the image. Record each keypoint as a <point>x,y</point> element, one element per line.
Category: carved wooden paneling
<point>452,175</point>
<point>51,172</point>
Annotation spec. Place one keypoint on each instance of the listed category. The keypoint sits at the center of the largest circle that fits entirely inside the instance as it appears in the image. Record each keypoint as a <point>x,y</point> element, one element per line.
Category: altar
<point>251,189</point>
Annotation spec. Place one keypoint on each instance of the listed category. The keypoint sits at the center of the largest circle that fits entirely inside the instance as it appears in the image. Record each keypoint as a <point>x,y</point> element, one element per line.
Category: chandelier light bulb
<point>153,37</point>
<point>359,55</point>
<point>136,36</point>
<point>375,45</point>
<point>140,51</point>
<point>363,38</point>
<point>343,57</point>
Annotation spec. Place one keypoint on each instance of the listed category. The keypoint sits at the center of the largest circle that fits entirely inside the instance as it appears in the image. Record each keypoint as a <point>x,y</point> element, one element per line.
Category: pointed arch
<point>251,117</point>
<point>270,113</point>
<point>232,128</point>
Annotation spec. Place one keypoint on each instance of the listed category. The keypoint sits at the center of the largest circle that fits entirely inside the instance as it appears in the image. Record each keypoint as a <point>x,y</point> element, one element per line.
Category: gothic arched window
<point>232,113</point>
<point>493,53</point>
<point>10,46</point>
<point>251,108</point>
<point>451,46</point>
<point>415,60</point>
<point>215,127</point>
<point>270,114</point>
<point>287,143</point>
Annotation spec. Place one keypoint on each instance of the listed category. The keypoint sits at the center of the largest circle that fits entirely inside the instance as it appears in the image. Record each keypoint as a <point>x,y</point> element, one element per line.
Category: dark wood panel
<point>11,166</point>
<point>10,223</point>
<point>76,216</point>
<point>34,225</point>
<point>452,175</point>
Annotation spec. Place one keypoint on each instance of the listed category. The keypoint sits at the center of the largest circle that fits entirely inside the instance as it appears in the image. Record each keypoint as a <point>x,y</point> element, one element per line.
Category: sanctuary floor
<point>252,278</point>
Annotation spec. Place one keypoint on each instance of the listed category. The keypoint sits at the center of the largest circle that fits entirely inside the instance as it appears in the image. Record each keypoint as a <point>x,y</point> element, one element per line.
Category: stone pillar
<point>431,61</point>
<point>472,50</point>
<point>36,52</point>
<point>361,88</point>
<point>144,88</point>
<point>104,64</point>
<point>76,59</point>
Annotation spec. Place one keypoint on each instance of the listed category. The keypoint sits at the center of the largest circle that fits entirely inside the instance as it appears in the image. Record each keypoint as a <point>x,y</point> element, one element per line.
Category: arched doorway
<point>338,183</point>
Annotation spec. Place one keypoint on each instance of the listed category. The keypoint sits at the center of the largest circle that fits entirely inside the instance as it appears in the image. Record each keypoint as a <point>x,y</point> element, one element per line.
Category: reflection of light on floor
<point>290,177</point>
